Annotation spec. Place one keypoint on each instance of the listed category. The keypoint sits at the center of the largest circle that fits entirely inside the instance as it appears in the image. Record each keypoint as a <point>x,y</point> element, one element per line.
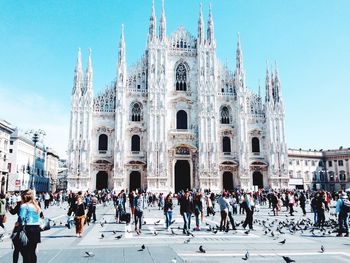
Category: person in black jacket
<point>186,210</point>
<point>302,201</point>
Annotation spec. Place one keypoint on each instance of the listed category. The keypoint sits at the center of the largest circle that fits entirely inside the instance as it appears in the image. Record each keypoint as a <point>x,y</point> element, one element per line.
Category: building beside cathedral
<point>177,119</point>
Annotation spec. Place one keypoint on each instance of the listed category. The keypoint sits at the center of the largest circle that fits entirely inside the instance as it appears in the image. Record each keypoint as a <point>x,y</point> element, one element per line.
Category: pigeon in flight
<point>89,254</point>
<point>282,242</point>
<point>201,249</point>
<point>246,256</point>
<point>288,259</point>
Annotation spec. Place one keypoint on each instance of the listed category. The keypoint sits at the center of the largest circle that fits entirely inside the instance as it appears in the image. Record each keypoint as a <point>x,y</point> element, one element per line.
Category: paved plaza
<point>60,244</point>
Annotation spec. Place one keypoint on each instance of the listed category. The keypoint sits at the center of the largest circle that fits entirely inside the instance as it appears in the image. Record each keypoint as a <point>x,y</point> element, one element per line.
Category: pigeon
<point>288,259</point>
<point>61,223</point>
<point>282,242</point>
<point>144,222</point>
<point>89,254</point>
<point>246,256</point>
<point>157,222</point>
<point>172,222</point>
<point>201,249</point>
<point>215,231</point>
<point>189,233</point>
<point>142,248</point>
<point>173,260</point>
<point>247,232</point>
<point>119,237</point>
<point>187,241</point>
<point>272,234</point>
<point>322,249</point>
<point>102,224</point>
<point>102,236</point>
<point>155,232</point>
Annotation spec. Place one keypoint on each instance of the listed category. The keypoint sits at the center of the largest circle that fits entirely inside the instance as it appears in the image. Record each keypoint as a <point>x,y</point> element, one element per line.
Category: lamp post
<point>35,137</point>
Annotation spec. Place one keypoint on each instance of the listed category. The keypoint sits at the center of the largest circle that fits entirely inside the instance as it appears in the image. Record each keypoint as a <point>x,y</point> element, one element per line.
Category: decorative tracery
<point>225,115</point>
<point>136,112</point>
<point>181,77</point>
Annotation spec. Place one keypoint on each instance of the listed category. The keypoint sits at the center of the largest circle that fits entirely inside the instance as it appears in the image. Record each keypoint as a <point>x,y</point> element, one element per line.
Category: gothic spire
<point>88,76</point>
<point>210,31</point>
<point>121,69</point>
<point>239,55</point>
<point>78,75</point>
<point>162,26</point>
<point>152,25</point>
<point>268,94</point>
<point>200,26</point>
<point>277,84</point>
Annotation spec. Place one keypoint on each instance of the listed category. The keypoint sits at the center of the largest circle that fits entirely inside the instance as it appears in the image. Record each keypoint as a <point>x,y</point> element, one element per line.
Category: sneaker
<point>339,235</point>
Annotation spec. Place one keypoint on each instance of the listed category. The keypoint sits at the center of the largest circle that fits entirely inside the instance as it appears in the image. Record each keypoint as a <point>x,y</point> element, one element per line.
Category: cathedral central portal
<point>182,175</point>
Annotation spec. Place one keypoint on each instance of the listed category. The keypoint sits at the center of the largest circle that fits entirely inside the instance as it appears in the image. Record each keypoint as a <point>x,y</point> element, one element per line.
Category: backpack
<point>346,206</point>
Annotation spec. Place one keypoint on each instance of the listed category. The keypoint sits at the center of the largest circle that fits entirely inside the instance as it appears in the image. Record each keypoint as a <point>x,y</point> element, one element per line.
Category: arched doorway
<point>101,180</point>
<point>135,180</point>
<point>227,178</point>
<point>3,182</point>
<point>182,175</point>
<point>258,179</point>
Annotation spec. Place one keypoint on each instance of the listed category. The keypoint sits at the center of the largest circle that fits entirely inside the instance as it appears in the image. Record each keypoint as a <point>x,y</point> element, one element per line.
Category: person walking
<point>210,209</point>
<point>168,211</point>
<point>186,209</point>
<point>249,211</point>
<point>92,209</point>
<point>139,206</point>
<point>291,202</point>
<point>2,210</point>
<point>302,201</point>
<point>198,210</point>
<point>29,219</point>
<point>79,217</point>
<point>14,210</point>
<point>224,207</point>
<point>343,215</point>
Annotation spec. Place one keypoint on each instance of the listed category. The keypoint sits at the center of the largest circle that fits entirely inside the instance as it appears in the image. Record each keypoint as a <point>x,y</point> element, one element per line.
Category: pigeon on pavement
<point>201,249</point>
<point>246,256</point>
<point>288,259</point>
<point>89,254</point>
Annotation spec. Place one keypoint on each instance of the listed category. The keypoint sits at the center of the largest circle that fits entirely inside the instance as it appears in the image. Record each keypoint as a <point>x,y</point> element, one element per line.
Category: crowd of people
<point>82,210</point>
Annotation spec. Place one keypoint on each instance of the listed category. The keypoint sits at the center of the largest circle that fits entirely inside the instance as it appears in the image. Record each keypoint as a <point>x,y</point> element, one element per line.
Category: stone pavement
<point>60,244</point>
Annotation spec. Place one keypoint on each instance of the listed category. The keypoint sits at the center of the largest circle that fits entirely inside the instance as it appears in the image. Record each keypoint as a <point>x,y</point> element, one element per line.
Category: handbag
<point>45,224</point>
<point>22,235</point>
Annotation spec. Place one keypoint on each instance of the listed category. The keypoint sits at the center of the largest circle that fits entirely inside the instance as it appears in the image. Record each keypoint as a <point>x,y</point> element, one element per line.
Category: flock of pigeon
<point>274,228</point>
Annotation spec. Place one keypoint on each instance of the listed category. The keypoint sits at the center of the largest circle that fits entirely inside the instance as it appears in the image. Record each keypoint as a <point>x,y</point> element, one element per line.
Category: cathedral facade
<point>176,120</point>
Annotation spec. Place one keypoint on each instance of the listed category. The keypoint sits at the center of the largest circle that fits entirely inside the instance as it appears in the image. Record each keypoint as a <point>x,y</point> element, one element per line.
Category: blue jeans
<point>187,221</point>
<point>343,223</point>
<point>168,218</point>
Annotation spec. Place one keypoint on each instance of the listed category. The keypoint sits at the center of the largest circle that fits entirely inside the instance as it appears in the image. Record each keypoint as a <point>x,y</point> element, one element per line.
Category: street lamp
<point>35,137</point>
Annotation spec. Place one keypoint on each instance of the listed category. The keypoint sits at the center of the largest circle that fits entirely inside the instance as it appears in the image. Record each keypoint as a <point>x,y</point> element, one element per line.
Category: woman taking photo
<point>29,219</point>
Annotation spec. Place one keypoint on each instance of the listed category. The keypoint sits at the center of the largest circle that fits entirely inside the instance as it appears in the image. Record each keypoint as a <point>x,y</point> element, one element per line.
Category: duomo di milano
<point>178,119</point>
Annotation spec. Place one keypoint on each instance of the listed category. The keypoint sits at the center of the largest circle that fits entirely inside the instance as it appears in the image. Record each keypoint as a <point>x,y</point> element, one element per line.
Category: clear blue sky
<point>310,40</point>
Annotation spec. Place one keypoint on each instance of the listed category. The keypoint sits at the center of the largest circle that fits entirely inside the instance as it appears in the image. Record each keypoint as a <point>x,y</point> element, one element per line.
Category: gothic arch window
<point>103,142</point>
<point>181,77</point>
<point>136,112</point>
<point>181,120</point>
<point>226,144</point>
<point>135,143</point>
<point>225,115</point>
<point>255,145</point>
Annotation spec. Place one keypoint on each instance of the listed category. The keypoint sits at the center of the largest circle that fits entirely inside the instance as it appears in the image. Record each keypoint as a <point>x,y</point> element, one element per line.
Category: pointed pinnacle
<point>153,12</point>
